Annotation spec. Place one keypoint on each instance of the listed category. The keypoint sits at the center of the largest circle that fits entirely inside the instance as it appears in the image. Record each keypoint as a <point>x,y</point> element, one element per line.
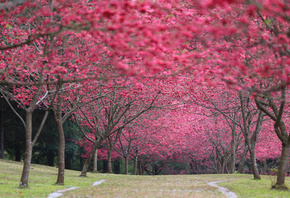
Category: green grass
<point>256,188</point>
<point>42,179</point>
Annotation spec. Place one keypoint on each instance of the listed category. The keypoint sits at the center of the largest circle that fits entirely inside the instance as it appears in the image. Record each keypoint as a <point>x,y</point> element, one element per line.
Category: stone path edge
<point>60,192</point>
<point>225,191</point>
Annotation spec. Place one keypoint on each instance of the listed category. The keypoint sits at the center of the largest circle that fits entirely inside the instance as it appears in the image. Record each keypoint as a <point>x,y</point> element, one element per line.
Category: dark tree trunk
<point>252,148</point>
<point>141,169</point>
<point>95,162</point>
<point>251,142</point>
<point>220,165</point>
<point>1,133</point>
<point>110,151</point>
<point>90,157</point>
<point>136,164</point>
<point>126,164</point>
<point>61,153</point>
<point>233,150</point>
<point>28,151</point>
<point>61,141</point>
<point>280,183</point>
<point>254,163</point>
<point>28,137</point>
<point>223,164</point>
<point>243,160</point>
<point>29,146</point>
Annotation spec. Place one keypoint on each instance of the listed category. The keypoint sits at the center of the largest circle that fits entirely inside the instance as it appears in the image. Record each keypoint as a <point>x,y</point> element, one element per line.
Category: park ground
<point>42,179</point>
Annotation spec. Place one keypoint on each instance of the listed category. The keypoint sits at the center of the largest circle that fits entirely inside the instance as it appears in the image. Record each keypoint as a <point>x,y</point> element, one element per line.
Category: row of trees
<point>109,62</point>
<point>160,137</point>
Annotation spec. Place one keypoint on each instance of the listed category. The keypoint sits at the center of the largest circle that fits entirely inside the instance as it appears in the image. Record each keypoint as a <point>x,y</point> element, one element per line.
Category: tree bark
<point>61,141</point>
<point>136,164</point>
<point>281,132</point>
<point>126,164</point>
<point>110,151</point>
<point>243,160</point>
<point>88,160</point>
<point>61,151</point>
<point>1,134</point>
<point>28,151</point>
<point>223,165</point>
<point>280,183</point>
<point>95,165</point>
<point>233,150</point>
<point>251,142</point>
<point>28,136</point>
<point>254,163</point>
<point>141,169</point>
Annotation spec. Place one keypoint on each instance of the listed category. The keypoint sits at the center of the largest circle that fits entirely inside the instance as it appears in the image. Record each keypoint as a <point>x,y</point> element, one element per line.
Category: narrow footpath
<point>225,191</point>
<point>60,192</point>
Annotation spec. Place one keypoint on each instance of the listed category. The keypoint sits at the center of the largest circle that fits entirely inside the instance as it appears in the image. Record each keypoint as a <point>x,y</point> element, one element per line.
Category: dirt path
<point>226,192</point>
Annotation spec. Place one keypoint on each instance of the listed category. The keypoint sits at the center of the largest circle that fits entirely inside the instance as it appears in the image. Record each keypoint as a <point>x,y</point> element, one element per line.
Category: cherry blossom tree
<point>239,44</point>
<point>112,113</point>
<point>126,146</point>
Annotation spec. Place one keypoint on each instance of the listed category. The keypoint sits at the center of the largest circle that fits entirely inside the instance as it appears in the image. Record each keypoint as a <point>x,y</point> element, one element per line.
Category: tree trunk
<point>233,150</point>
<point>281,132</point>
<point>61,152</point>
<point>141,169</point>
<point>223,165</point>
<point>243,160</point>
<point>136,164</point>
<point>251,142</point>
<point>57,112</point>
<point>264,170</point>
<point>254,163</point>
<point>280,183</point>
<point>95,165</point>
<point>28,151</point>
<point>110,151</point>
<point>88,160</point>
<point>126,164</point>
<point>1,135</point>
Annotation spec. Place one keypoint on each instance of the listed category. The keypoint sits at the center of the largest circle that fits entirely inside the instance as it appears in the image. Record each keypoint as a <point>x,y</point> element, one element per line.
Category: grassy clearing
<point>42,179</point>
<point>256,188</point>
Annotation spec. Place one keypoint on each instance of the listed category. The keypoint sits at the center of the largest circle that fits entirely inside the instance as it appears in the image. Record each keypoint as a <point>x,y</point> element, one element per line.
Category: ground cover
<point>42,179</point>
<point>245,187</point>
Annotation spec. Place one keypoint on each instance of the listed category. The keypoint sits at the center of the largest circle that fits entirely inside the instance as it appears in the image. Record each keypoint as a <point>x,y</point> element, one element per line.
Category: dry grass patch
<point>148,186</point>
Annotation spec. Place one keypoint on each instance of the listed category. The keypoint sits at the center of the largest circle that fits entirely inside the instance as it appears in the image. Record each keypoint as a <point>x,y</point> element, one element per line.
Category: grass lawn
<point>42,179</point>
<point>247,188</point>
